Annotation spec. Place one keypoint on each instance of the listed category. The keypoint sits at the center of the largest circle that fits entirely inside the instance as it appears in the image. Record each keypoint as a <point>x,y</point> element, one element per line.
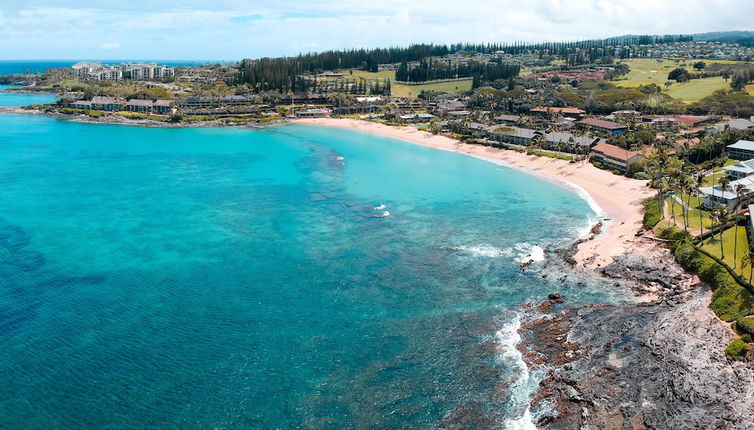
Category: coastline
<point>621,218</point>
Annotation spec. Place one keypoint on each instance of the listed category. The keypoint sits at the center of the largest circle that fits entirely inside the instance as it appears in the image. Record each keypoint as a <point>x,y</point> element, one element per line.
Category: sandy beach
<point>619,198</point>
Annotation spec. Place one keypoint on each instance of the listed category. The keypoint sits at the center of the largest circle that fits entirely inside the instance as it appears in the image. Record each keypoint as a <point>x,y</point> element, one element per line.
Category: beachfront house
<point>106,103</point>
<point>142,106</point>
<point>715,196</point>
<point>602,126</point>
<point>416,117</point>
<point>82,104</point>
<point>313,113</point>
<point>569,142</point>
<point>548,111</point>
<point>615,157</point>
<point>515,135</point>
<point>162,106</point>
<point>740,170</point>
<point>741,150</point>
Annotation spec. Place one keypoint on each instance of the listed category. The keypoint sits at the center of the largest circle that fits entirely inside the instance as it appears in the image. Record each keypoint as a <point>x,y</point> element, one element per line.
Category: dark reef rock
<point>646,366</point>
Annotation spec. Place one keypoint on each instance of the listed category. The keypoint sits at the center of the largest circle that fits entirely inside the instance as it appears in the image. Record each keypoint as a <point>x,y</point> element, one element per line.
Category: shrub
<point>738,349</point>
<point>652,213</point>
<point>641,176</point>
<point>745,325</point>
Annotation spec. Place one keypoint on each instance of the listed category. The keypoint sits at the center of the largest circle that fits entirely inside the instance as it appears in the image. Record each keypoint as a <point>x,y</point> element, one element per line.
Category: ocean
<point>287,277</point>
<point>11,67</point>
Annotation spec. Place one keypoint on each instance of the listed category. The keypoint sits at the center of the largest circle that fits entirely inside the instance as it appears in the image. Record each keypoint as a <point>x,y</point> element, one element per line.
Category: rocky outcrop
<point>648,366</point>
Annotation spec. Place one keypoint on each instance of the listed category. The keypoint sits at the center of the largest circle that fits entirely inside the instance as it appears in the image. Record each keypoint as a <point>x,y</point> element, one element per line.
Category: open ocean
<point>289,277</point>
<point>11,67</point>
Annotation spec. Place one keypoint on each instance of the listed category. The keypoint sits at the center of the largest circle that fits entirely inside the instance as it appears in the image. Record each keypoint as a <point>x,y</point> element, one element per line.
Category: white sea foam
<point>379,208</point>
<point>526,252</point>
<point>508,339</point>
<point>484,251</point>
<point>385,213</point>
<point>340,158</point>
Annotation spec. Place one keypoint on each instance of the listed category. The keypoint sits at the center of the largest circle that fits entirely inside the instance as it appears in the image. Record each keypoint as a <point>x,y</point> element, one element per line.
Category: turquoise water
<point>291,277</point>
<point>10,67</point>
<point>18,100</point>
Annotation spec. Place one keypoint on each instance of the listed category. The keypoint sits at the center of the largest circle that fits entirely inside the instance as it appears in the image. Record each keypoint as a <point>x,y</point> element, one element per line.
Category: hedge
<point>652,213</point>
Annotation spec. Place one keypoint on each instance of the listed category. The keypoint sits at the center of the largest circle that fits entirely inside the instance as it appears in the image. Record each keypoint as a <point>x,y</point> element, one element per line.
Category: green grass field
<point>712,245</point>
<point>696,89</point>
<point>694,220</point>
<point>646,71</point>
<point>399,90</point>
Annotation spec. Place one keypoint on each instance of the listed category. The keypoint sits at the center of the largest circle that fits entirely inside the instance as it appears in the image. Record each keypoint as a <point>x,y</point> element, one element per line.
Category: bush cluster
<point>652,213</point>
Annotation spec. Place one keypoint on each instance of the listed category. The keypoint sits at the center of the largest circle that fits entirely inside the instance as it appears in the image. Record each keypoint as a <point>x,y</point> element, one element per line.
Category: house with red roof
<point>602,126</point>
<point>615,157</point>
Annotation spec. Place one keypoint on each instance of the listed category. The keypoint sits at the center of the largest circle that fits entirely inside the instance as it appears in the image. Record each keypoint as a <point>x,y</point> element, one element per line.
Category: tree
<point>741,193</point>
<point>746,262</point>
<point>679,75</point>
<point>699,65</point>
<point>722,213</point>
<point>740,79</point>
<point>698,187</point>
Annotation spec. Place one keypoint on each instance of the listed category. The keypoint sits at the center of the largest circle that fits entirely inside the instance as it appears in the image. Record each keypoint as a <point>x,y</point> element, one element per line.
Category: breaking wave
<point>507,339</point>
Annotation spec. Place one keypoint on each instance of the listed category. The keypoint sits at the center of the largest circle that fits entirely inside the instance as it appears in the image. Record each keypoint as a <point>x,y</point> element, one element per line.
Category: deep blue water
<point>295,276</point>
<point>10,67</point>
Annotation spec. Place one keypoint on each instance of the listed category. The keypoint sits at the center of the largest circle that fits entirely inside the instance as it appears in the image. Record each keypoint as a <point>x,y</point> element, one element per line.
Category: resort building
<point>615,157</point>
<point>568,112</point>
<point>135,105</point>
<point>515,135</point>
<point>106,103</point>
<point>162,106</point>
<point>81,104</point>
<point>416,117</point>
<point>510,119</point>
<point>741,150</point>
<point>602,126</point>
<point>740,170</point>
<point>663,123</point>
<point>716,196</point>
<point>104,72</point>
<point>313,113</point>
<point>570,142</point>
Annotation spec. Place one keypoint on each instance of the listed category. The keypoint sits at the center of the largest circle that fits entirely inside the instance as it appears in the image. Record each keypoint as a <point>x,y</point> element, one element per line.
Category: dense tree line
<point>285,73</point>
<point>427,70</point>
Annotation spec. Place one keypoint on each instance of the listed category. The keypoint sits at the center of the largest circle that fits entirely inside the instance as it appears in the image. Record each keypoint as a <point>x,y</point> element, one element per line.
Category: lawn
<point>714,178</point>
<point>649,70</point>
<point>399,90</point>
<point>696,89</point>
<point>706,220</point>
<point>712,245</point>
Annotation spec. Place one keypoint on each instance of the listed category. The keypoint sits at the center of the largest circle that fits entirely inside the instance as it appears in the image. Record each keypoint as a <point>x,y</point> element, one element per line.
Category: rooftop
<point>746,145</point>
<point>601,123</point>
<point>743,167</point>
<point>615,151</point>
<point>747,182</point>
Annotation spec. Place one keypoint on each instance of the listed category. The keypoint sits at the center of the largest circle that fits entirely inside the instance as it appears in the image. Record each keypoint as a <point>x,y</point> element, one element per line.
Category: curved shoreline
<point>618,198</point>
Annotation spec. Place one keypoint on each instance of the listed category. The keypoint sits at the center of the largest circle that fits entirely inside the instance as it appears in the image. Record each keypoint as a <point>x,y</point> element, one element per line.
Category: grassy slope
<point>647,71</point>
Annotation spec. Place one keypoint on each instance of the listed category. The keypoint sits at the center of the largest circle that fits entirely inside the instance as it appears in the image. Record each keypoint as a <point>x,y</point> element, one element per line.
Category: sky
<point>232,29</point>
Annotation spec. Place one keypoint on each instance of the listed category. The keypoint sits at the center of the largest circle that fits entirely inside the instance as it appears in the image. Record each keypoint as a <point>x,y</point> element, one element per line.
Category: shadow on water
<point>24,278</point>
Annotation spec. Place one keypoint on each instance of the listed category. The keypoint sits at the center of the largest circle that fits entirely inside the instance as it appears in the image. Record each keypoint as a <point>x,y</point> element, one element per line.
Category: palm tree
<point>741,193</point>
<point>746,262</point>
<point>698,187</point>
<point>722,213</point>
<point>724,186</point>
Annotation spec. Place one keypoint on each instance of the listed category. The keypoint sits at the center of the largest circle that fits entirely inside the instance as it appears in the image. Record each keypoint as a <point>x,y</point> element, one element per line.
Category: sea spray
<point>525,383</point>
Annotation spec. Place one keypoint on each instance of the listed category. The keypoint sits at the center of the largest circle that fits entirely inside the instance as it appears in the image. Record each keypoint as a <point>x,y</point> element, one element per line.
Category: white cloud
<point>233,29</point>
